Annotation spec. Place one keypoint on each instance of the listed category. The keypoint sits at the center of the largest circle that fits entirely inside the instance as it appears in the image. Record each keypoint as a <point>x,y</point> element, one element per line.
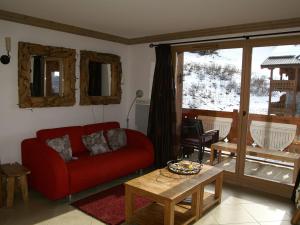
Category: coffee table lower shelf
<point>153,214</point>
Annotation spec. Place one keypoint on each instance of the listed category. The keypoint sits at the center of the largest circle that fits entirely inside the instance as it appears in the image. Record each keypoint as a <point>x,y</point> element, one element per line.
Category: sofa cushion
<point>116,138</point>
<point>62,146</point>
<point>75,133</point>
<point>89,171</point>
<point>92,128</point>
<point>95,143</point>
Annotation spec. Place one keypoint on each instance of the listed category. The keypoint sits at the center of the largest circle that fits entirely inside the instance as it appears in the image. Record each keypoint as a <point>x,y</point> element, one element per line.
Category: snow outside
<point>212,79</point>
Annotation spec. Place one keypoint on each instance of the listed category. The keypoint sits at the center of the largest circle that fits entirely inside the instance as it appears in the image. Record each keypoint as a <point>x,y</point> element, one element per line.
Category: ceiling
<point>139,18</point>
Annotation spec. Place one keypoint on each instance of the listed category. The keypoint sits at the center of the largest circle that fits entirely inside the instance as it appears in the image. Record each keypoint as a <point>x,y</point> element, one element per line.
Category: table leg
<point>218,187</point>
<point>211,155</point>
<point>201,197</point>
<point>24,187</point>
<point>219,156</point>
<point>196,199</point>
<point>296,170</point>
<point>169,213</point>
<point>10,189</point>
<point>129,204</point>
<point>296,217</point>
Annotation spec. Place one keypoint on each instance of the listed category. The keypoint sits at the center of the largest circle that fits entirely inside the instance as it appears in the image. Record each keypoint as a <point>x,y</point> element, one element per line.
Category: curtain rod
<point>228,38</point>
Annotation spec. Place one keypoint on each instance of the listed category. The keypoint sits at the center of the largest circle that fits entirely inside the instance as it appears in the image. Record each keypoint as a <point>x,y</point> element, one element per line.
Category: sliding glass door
<point>249,91</point>
<point>273,138</point>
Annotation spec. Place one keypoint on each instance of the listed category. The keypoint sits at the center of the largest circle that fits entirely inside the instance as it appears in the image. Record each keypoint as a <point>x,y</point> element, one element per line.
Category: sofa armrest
<point>138,139</point>
<point>49,173</point>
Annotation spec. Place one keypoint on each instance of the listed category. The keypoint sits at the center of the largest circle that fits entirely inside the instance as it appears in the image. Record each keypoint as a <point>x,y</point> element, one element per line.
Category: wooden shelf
<point>209,201</point>
<point>153,214</point>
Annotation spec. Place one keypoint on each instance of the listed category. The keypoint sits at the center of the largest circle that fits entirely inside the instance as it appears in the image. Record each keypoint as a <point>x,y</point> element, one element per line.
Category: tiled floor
<point>239,206</point>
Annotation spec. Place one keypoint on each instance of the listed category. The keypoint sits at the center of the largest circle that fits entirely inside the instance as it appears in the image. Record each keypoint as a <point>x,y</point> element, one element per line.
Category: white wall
<point>17,124</point>
<point>141,69</point>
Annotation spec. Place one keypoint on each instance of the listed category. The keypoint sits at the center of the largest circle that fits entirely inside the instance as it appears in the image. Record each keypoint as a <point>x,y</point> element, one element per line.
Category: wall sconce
<point>138,94</point>
<point>5,59</point>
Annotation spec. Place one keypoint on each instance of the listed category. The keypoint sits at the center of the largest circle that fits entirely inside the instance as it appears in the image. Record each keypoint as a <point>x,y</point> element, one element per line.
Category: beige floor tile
<point>231,214</point>
<point>74,217</point>
<point>243,224</point>
<point>233,200</point>
<point>276,223</point>
<point>207,220</point>
<point>266,213</point>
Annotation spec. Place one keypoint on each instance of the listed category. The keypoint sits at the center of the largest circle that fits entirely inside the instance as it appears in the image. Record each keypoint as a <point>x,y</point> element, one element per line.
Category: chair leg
<point>296,217</point>
<point>200,154</point>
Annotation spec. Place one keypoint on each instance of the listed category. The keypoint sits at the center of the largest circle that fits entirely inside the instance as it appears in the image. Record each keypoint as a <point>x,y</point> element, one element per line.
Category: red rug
<point>108,206</point>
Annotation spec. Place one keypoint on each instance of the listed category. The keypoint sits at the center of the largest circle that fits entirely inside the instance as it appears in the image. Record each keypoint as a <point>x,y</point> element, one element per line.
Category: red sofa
<point>55,178</point>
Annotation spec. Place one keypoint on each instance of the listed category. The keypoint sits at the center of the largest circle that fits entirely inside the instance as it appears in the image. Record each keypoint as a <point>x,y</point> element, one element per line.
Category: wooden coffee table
<point>168,190</point>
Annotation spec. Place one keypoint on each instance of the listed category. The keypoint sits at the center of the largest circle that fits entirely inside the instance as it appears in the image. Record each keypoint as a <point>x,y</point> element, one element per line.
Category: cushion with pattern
<point>62,145</point>
<point>95,143</point>
<point>116,138</point>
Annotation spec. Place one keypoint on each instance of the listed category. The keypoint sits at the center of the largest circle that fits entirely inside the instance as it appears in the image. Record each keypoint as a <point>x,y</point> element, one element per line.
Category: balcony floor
<point>263,170</point>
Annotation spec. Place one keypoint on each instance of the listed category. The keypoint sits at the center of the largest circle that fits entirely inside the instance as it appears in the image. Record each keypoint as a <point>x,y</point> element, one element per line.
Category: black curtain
<point>95,75</point>
<point>37,88</point>
<point>162,114</point>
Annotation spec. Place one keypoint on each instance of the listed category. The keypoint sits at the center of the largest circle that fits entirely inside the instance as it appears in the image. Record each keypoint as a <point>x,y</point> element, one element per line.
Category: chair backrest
<point>191,128</point>
<point>274,136</point>
<point>217,123</point>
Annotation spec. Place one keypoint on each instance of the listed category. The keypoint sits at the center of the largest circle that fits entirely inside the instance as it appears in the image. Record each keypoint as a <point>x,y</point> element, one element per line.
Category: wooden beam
<point>38,22</point>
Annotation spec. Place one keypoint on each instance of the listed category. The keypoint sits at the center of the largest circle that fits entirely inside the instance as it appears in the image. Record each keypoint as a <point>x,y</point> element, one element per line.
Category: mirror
<point>100,78</point>
<point>46,76</point>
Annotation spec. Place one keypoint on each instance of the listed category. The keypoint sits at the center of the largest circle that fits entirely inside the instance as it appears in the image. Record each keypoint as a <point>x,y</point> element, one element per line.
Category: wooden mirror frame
<point>116,70</point>
<point>25,51</point>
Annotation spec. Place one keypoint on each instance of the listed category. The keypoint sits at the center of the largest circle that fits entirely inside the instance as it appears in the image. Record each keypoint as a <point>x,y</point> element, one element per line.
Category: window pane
<point>212,79</point>
<point>274,95</point>
<point>211,93</point>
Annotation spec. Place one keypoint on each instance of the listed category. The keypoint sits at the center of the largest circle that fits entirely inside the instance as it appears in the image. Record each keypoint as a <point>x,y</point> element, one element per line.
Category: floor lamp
<point>138,94</point>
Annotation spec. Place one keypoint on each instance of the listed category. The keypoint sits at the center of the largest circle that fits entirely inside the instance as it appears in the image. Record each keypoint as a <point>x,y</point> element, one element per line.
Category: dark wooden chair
<point>193,137</point>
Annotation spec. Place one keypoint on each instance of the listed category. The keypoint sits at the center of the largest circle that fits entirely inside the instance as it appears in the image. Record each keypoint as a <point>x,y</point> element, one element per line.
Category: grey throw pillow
<point>62,145</point>
<point>116,138</point>
<point>95,143</point>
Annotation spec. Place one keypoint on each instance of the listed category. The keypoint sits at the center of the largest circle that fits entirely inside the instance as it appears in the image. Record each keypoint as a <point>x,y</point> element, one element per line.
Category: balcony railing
<point>233,134</point>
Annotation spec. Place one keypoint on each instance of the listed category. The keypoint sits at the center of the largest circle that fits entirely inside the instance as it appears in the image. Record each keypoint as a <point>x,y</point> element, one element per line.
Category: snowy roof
<point>277,61</point>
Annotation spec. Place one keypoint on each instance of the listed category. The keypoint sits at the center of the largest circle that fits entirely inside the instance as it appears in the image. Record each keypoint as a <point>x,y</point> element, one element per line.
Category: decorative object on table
<point>194,137</point>
<point>5,59</point>
<point>14,172</point>
<point>138,94</point>
<point>108,206</point>
<point>184,167</point>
